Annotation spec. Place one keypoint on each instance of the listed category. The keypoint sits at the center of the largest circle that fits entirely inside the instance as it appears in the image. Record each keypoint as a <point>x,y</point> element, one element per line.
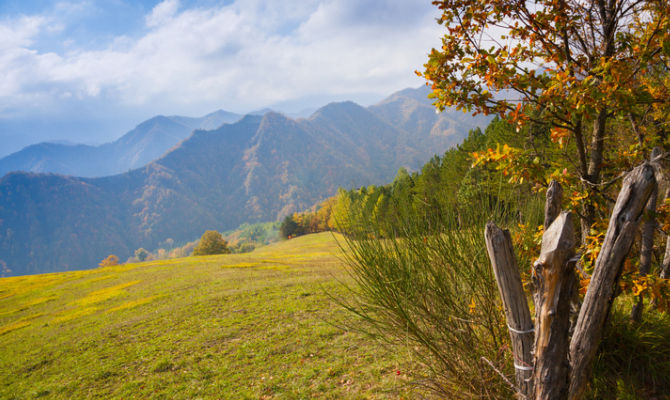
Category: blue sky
<point>88,71</point>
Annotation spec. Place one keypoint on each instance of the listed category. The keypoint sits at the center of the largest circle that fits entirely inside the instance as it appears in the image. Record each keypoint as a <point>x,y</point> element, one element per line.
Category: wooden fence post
<point>624,221</point>
<point>503,261</point>
<point>552,205</point>
<point>554,281</point>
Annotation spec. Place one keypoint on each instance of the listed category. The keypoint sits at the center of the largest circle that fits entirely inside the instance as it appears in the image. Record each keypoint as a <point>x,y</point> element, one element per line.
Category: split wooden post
<point>506,270</point>
<point>624,221</point>
<point>552,205</point>
<point>554,281</point>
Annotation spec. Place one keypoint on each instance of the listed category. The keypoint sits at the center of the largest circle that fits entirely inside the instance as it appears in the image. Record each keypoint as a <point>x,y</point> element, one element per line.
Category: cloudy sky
<point>90,70</point>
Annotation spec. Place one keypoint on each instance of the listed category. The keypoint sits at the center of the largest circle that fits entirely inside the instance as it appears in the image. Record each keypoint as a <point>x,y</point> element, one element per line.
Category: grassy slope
<point>253,325</point>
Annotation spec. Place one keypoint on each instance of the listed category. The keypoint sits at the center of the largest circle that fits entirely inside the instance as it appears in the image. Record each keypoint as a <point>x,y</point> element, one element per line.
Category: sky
<point>87,71</point>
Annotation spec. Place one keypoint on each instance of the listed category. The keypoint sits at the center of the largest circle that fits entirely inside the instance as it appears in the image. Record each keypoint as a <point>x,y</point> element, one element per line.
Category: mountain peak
<point>337,109</point>
<point>262,111</point>
<point>419,94</point>
<point>274,116</point>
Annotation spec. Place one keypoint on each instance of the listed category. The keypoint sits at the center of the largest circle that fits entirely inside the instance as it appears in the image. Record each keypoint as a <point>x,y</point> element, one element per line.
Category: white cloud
<point>21,32</point>
<point>242,56</point>
<point>162,13</point>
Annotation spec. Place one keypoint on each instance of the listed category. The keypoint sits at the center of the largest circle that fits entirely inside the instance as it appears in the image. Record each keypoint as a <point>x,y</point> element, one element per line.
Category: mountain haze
<point>148,141</point>
<point>257,169</point>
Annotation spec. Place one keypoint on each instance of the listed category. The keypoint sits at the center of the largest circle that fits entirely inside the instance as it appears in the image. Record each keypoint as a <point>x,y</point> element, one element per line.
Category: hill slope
<point>236,326</point>
<point>258,169</point>
<point>148,141</point>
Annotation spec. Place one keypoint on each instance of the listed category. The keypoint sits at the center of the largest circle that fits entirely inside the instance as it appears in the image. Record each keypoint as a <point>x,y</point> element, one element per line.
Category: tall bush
<point>435,293</point>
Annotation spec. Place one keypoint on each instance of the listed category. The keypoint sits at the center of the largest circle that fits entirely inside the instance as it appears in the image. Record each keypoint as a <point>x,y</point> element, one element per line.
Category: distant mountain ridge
<point>257,169</point>
<point>148,141</point>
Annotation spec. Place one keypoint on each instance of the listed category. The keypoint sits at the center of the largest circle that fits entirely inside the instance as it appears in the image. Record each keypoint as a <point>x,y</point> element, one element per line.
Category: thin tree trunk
<point>624,221</point>
<point>646,242</point>
<point>665,265</point>
<point>593,170</point>
<point>555,284</point>
<point>503,261</point>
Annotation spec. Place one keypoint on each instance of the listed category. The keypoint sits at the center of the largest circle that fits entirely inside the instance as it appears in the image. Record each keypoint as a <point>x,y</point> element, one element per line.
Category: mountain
<point>209,121</point>
<point>410,110</point>
<point>148,141</point>
<point>257,169</point>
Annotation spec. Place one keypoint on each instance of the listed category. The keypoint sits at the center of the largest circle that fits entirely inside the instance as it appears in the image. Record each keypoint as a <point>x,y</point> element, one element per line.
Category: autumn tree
<point>211,242</point>
<point>109,261</point>
<point>595,71</point>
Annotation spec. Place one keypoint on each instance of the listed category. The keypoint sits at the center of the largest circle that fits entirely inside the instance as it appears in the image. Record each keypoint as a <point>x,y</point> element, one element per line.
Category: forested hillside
<point>258,169</point>
<point>430,198</point>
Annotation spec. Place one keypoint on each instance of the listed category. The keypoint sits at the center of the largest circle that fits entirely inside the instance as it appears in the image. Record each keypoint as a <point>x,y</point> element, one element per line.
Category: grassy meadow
<point>259,325</point>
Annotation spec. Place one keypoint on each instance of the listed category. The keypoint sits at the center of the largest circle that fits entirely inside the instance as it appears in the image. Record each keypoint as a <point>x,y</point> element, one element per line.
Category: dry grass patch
<point>101,295</point>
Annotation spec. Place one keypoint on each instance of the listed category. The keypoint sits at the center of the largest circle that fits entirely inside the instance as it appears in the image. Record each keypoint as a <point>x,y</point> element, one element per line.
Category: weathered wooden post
<point>519,323</point>
<point>624,221</point>
<point>552,205</point>
<point>561,367</point>
<point>554,281</point>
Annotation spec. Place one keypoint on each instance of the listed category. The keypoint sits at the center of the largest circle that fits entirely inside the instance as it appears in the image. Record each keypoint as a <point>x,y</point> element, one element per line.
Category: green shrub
<point>141,254</point>
<point>289,228</point>
<point>434,292</point>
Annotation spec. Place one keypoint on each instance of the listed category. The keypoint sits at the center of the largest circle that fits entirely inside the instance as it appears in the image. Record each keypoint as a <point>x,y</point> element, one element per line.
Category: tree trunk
<point>647,241</point>
<point>593,169</point>
<point>624,221</point>
<point>503,261</point>
<point>555,284</point>
<point>665,265</point>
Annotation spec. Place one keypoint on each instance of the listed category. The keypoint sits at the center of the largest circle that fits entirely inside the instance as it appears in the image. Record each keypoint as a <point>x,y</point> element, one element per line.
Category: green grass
<point>258,325</point>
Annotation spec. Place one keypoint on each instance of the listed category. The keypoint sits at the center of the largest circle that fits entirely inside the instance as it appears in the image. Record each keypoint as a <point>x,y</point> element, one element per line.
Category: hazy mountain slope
<point>209,121</point>
<point>148,141</point>
<point>44,157</point>
<point>260,168</point>
<point>47,221</point>
<point>421,127</point>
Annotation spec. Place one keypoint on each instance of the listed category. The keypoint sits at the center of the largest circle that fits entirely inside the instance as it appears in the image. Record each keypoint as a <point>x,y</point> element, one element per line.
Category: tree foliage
<point>445,188</point>
<point>211,242</point>
<point>595,72</point>
<point>109,261</point>
<point>319,219</point>
<point>141,254</point>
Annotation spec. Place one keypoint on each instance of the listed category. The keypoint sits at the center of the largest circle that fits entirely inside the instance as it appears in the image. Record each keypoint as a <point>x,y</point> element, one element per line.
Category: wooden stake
<point>552,205</point>
<point>554,282</point>
<point>503,261</point>
<point>624,221</point>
